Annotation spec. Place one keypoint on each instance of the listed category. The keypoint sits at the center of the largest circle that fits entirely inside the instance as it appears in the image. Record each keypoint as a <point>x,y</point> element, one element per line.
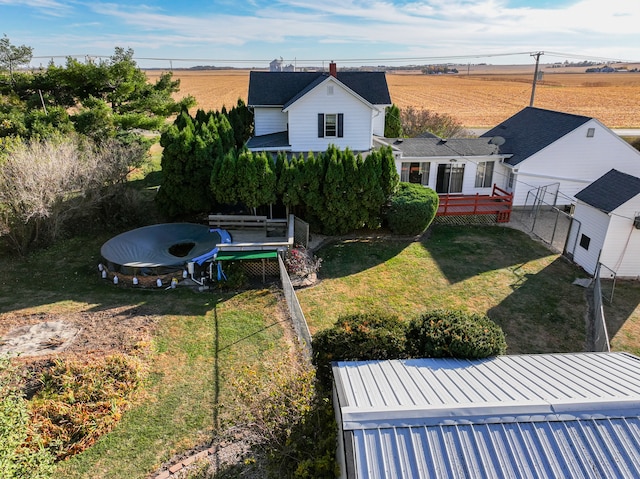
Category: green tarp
<point>245,255</point>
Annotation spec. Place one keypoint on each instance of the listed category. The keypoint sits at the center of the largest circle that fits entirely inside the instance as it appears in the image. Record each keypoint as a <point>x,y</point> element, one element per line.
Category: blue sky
<point>351,32</point>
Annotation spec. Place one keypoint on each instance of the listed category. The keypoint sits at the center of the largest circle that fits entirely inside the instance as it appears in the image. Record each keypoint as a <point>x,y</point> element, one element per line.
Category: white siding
<point>378,121</point>
<point>470,168</point>
<point>593,223</point>
<point>269,120</point>
<point>303,120</point>
<point>576,161</point>
<point>621,250</point>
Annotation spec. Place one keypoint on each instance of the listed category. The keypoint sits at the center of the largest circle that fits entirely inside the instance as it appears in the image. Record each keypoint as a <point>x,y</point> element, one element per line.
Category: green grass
<point>497,271</point>
<point>199,338</point>
<point>622,315</point>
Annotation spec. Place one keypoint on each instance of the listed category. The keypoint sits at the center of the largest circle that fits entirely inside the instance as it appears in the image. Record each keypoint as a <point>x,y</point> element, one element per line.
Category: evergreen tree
<point>224,179</point>
<point>393,122</point>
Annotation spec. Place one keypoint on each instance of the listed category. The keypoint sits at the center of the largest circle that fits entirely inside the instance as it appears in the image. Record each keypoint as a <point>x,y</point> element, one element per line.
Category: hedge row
<point>438,333</point>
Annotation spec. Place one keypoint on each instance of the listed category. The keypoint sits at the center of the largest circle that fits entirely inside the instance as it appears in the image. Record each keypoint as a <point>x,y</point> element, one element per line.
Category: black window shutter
<point>340,125</point>
<point>320,125</point>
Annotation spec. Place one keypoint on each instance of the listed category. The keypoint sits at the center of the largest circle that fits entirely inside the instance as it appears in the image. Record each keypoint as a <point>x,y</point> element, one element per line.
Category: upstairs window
<point>330,125</point>
<point>484,174</point>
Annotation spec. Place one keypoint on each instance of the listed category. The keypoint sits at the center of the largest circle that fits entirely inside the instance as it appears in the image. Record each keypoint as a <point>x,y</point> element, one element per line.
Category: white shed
<point>606,226</point>
<point>543,416</point>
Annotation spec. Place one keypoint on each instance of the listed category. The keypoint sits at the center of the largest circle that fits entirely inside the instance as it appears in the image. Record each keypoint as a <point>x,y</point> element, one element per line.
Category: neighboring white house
<point>542,416</point>
<point>606,226</point>
<point>301,112</point>
<point>553,155</point>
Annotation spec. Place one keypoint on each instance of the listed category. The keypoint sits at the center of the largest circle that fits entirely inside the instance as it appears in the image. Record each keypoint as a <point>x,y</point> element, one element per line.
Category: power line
<point>378,60</point>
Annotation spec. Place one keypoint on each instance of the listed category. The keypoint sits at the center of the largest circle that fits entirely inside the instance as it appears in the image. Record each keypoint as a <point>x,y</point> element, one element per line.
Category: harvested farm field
<point>482,98</point>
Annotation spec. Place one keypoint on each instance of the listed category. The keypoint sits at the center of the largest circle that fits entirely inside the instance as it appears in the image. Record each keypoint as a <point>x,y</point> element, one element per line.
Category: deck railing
<point>498,203</point>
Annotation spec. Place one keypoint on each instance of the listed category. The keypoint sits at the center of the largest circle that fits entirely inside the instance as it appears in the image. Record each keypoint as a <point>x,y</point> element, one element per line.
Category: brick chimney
<point>333,70</point>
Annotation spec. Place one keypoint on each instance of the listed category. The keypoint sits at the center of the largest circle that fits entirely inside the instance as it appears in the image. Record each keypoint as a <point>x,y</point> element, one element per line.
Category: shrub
<point>458,334</point>
<point>412,209</point>
<point>81,401</point>
<point>21,452</point>
<point>357,337</point>
<point>293,428</point>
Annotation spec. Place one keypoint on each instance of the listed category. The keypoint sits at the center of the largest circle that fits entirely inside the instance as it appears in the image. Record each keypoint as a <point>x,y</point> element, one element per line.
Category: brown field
<point>481,99</point>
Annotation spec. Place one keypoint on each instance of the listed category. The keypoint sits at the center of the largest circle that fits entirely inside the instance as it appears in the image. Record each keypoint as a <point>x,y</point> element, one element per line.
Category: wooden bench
<point>238,222</point>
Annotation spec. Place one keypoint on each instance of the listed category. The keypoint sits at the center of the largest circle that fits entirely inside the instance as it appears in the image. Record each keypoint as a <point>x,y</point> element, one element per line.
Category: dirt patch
<point>122,329</point>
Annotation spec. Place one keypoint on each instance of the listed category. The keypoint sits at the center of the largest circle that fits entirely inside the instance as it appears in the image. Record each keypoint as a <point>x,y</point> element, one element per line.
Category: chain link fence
<point>542,218</point>
<point>598,326</point>
<point>295,311</point>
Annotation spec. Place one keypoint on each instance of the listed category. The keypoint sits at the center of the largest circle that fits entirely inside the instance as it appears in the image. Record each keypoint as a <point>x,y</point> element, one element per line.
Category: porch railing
<point>498,203</point>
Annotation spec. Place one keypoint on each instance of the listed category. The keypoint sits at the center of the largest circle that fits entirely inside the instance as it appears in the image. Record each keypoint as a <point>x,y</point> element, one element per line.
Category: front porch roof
<point>272,141</point>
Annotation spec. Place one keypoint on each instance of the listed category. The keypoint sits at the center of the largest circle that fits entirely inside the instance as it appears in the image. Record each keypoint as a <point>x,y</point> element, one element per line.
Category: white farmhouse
<point>553,155</point>
<point>606,226</point>
<point>300,112</point>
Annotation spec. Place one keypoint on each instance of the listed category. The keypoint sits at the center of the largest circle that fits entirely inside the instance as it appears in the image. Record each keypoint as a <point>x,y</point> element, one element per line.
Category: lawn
<point>498,271</point>
<point>190,342</point>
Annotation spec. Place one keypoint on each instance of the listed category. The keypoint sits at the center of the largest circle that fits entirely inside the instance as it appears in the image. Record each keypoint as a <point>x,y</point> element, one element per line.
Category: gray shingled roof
<point>279,88</point>
<point>610,191</point>
<point>532,129</point>
<point>430,147</point>
<point>272,140</point>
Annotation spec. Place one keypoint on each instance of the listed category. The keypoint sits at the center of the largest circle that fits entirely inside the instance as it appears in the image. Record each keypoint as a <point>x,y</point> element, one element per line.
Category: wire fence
<point>599,334</point>
<point>295,311</point>
<point>543,219</point>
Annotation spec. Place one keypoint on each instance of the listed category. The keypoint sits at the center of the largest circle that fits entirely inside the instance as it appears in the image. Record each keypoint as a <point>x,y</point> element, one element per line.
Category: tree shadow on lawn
<point>462,252</point>
<point>546,313</point>
<point>348,257</point>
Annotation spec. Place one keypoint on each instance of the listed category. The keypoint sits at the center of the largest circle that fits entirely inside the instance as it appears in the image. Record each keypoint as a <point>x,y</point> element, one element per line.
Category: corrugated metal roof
<point>602,448</point>
<point>548,415</point>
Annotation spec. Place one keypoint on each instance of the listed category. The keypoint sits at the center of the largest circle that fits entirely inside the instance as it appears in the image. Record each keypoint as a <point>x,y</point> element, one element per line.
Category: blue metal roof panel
<point>603,448</point>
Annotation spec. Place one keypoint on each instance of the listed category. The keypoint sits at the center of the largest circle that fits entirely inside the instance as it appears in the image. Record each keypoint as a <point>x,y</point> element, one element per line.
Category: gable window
<point>591,132</point>
<point>484,174</point>
<point>330,125</point>
<point>585,241</point>
<point>415,173</point>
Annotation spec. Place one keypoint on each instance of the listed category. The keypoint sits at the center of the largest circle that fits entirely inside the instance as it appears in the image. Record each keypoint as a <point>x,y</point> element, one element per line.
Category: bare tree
<point>45,185</point>
<point>416,121</point>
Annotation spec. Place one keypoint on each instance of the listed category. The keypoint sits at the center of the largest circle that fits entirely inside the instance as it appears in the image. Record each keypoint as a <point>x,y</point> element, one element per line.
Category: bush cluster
<point>454,333</point>
<point>412,209</point>
<point>438,333</point>
<point>357,337</point>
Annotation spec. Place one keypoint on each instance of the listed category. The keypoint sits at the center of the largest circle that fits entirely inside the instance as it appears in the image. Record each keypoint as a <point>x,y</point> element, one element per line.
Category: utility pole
<point>535,76</point>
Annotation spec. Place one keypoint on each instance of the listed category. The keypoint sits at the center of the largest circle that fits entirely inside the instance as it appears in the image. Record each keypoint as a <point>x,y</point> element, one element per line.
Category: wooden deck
<point>499,203</point>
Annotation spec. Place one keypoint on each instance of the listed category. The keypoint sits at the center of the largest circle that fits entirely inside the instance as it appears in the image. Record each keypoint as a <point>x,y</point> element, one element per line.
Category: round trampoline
<point>169,245</point>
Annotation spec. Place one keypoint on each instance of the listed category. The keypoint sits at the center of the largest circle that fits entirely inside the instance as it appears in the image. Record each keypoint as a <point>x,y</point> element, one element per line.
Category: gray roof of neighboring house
<point>540,415</point>
<point>279,88</point>
<point>532,129</point>
<point>438,147</point>
<point>610,191</point>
